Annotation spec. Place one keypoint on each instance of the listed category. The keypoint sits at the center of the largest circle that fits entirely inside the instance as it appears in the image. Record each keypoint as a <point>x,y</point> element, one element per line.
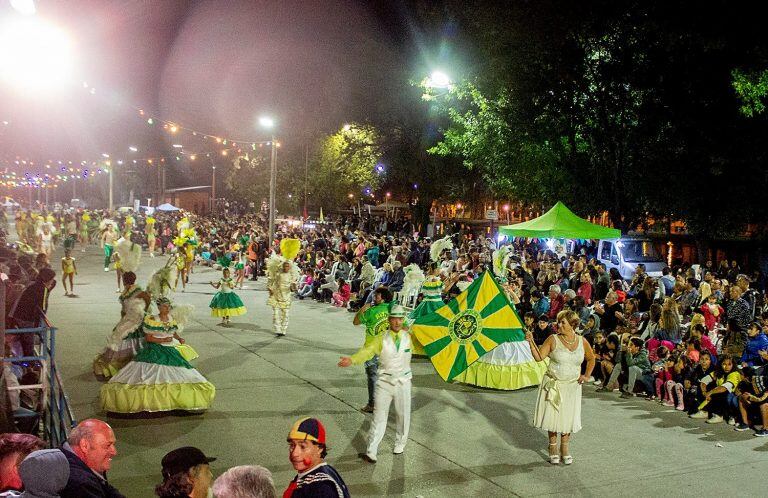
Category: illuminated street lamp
<point>269,123</point>
<point>438,79</point>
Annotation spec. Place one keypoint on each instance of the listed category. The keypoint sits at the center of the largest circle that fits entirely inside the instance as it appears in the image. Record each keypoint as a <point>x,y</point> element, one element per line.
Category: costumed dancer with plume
<point>160,377</point>
<point>127,256</point>
<point>149,230</point>
<point>226,303</point>
<point>108,238</point>
<point>185,244</point>
<point>127,338</point>
<point>431,288</point>
<point>282,275</point>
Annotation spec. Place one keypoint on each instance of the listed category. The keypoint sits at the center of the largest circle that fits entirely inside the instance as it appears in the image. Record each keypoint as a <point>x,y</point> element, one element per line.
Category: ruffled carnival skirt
<point>158,379</point>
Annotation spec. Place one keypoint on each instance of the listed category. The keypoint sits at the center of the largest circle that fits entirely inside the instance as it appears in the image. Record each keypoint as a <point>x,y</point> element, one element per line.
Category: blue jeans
<point>371,370</point>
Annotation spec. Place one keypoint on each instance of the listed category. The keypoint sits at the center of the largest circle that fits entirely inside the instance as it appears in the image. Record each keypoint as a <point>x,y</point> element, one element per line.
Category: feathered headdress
<point>275,263</point>
<point>130,254</point>
<point>86,217</point>
<point>289,248</point>
<point>438,246</point>
<point>182,224</point>
<point>150,220</point>
<point>160,282</point>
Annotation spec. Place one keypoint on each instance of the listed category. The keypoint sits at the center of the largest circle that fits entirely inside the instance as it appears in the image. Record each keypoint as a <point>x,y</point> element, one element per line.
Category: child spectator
<point>340,298</point>
<point>712,312</point>
<point>662,370</point>
<point>699,332</point>
<point>681,373</point>
<point>697,384</point>
<point>754,396</point>
<point>693,350</point>
<point>757,341</point>
<point>719,396</point>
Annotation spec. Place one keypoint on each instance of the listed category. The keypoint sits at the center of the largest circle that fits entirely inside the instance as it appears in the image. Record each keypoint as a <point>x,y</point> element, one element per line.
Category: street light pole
<point>111,187</point>
<point>213,189</point>
<point>272,187</point>
<point>306,178</point>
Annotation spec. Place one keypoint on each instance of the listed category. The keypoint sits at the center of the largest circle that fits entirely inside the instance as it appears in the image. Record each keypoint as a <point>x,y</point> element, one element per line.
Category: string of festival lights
<point>73,169</point>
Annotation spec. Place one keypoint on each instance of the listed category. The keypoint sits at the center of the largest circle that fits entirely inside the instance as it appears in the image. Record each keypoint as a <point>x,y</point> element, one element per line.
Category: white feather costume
<point>130,254</point>
<point>438,246</point>
<point>414,277</point>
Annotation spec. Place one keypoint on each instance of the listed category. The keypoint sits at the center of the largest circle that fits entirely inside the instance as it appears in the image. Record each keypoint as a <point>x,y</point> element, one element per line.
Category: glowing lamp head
<point>266,122</point>
<point>439,79</point>
<point>34,56</point>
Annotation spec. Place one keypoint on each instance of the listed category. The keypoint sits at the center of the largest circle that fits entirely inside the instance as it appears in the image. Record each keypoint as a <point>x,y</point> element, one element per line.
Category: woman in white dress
<point>558,406</point>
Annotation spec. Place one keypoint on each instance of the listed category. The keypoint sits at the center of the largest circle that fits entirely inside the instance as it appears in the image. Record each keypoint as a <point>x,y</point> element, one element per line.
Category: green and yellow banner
<point>472,324</point>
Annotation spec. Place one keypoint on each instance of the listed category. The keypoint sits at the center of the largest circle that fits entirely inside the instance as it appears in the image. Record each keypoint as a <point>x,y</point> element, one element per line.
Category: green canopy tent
<point>559,223</point>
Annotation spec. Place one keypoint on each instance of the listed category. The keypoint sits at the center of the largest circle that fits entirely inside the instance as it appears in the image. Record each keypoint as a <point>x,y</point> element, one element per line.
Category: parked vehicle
<point>626,253</point>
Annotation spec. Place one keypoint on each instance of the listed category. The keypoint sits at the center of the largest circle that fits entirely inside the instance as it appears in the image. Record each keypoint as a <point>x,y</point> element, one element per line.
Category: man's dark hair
<point>665,270</point>
<point>637,342</point>
<point>23,444</point>
<point>385,293</point>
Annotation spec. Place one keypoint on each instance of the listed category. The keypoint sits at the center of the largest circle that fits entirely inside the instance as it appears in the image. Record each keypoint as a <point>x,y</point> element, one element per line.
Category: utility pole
<point>272,188</point>
<point>162,184</point>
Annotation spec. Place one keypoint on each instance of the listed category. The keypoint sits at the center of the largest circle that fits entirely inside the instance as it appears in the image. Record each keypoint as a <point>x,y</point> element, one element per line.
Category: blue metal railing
<point>54,410</point>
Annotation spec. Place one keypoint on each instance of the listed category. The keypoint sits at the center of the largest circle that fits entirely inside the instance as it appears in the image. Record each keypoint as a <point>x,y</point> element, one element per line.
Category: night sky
<point>213,66</point>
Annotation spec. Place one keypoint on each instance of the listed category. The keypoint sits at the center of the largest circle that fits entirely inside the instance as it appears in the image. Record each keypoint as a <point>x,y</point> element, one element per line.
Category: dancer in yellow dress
<point>226,303</point>
<point>68,272</point>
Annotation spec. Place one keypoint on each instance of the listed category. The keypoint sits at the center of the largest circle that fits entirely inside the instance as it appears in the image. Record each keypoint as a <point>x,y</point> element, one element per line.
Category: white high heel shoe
<point>554,459</point>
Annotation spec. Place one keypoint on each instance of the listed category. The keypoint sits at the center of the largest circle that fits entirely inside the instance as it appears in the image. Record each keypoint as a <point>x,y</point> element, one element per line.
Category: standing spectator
<point>603,283</point>
<point>738,308</point>
<point>89,451</point>
<point>556,301</point>
<point>186,473</point>
<point>667,280</point>
<point>32,305</point>
<point>307,451</point>
<point>13,449</point>
<point>245,481</point>
<point>585,289</point>
<point>689,300</point>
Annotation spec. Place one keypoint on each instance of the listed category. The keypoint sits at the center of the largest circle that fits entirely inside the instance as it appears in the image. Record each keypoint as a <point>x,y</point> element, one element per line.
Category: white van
<point>626,253</point>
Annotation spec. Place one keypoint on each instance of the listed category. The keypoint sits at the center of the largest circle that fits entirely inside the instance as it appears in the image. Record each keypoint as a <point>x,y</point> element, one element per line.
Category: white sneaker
<point>716,419</point>
<point>731,421</point>
<point>699,414</point>
<point>399,448</point>
<point>106,269</point>
<point>591,379</point>
<point>597,382</point>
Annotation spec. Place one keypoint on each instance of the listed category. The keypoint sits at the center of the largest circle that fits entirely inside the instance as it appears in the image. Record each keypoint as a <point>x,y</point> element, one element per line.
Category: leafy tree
<point>346,162</point>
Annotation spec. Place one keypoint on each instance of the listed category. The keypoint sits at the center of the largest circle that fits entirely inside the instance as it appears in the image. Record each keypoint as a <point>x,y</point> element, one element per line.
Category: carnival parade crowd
<point>692,339</point>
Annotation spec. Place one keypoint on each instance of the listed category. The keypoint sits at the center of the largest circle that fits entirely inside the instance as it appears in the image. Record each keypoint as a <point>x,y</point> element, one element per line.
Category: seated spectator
<point>638,367</point>
<point>44,474</point>
<point>591,328</point>
<point>304,288</point>
<point>609,312</point>
<point>754,398</point>
<point>721,401</point>
<point>245,481</point>
<point>13,449</point>
<point>618,288</point>
<point>307,451</point>
<point>699,333</point>
<point>89,451</point>
<point>757,341</point>
<point>186,473</point>
<point>712,312</point>
<point>610,354</point>
<point>340,298</point>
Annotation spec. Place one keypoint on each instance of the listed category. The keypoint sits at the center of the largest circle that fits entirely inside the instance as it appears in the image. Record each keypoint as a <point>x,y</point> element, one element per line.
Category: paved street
<point>463,441</point>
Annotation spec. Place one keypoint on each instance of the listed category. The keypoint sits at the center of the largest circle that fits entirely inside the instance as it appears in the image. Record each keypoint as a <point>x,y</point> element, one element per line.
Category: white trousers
<point>280,320</point>
<point>385,395</point>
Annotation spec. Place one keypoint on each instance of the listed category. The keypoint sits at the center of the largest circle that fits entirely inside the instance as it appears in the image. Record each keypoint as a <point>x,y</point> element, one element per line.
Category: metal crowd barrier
<point>53,409</point>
